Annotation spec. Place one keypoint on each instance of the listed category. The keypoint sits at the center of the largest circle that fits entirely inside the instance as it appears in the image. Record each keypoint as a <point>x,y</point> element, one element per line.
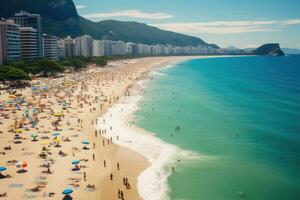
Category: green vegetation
<point>13,75</point>
<point>18,73</point>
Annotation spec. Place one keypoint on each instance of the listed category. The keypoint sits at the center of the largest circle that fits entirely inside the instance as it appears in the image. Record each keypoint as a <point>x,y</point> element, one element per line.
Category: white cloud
<point>128,13</point>
<point>291,21</point>
<point>228,27</point>
<point>80,6</point>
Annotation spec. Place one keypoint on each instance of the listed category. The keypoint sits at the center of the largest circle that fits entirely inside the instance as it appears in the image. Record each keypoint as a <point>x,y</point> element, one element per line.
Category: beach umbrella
<point>21,164</point>
<point>55,134</point>
<point>2,169</point>
<point>34,136</point>
<point>10,101</point>
<point>45,142</point>
<point>58,114</point>
<point>57,140</point>
<point>19,131</point>
<point>67,191</point>
<point>75,162</point>
<point>85,142</point>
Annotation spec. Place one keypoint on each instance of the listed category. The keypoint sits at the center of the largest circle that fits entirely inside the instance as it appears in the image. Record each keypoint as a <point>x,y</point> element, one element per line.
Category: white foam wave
<point>158,73</point>
<point>152,183</point>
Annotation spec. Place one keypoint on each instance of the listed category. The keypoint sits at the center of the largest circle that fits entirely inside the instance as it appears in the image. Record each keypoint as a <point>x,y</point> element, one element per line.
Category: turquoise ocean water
<point>242,114</point>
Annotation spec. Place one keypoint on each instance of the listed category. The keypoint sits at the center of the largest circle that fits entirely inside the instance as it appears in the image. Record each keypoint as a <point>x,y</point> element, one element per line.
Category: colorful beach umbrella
<point>57,140</point>
<point>55,134</point>
<point>19,131</point>
<point>67,191</point>
<point>85,142</point>
<point>75,162</point>
<point>58,114</point>
<point>45,142</point>
<point>21,164</point>
<point>2,169</point>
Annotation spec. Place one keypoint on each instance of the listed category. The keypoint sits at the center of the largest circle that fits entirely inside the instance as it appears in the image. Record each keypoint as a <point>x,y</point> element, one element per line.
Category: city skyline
<point>223,23</point>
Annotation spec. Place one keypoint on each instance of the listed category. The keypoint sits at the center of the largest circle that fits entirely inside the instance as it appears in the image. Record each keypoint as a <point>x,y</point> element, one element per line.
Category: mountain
<point>60,18</point>
<point>137,33</point>
<point>272,49</point>
<point>291,51</point>
<point>232,48</point>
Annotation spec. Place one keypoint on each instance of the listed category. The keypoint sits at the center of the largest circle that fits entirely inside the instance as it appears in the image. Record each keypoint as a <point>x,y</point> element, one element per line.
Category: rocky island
<point>272,49</point>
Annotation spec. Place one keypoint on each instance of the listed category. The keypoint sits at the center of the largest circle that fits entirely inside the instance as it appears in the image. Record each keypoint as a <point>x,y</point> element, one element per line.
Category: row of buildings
<point>86,46</point>
<point>22,38</point>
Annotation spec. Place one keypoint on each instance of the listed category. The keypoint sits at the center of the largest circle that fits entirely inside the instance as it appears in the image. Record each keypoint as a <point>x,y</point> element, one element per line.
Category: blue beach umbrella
<point>85,142</point>
<point>2,169</point>
<point>75,162</point>
<point>55,134</point>
<point>67,191</point>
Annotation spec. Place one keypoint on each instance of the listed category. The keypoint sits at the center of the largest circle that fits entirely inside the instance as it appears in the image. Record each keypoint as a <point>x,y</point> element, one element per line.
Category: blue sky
<point>243,23</point>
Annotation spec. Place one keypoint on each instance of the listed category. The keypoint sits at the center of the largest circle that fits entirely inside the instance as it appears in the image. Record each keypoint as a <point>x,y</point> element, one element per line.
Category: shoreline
<point>152,180</point>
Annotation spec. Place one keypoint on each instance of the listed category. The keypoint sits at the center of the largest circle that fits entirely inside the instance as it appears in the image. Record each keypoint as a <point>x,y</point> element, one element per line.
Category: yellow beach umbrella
<point>45,142</point>
<point>19,131</point>
<point>56,140</point>
<point>58,114</point>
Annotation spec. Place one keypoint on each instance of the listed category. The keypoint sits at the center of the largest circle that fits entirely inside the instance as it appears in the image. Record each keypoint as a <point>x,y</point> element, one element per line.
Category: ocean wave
<point>158,73</point>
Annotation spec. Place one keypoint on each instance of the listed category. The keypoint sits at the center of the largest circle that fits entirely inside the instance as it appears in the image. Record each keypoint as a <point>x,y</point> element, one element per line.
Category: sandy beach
<point>49,140</point>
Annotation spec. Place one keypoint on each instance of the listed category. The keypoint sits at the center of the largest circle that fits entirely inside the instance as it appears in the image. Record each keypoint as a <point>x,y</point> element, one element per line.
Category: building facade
<point>29,43</point>
<point>69,47</point>
<point>61,49</point>
<point>26,19</point>
<point>10,48</point>
<point>84,46</point>
<point>50,47</point>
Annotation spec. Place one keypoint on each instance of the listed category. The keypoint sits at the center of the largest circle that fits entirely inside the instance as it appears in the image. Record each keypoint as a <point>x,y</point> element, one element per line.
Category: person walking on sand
<point>104,163</point>
<point>119,193</point>
<point>84,176</point>
<point>93,157</point>
<point>122,195</point>
<point>111,177</point>
<point>118,166</point>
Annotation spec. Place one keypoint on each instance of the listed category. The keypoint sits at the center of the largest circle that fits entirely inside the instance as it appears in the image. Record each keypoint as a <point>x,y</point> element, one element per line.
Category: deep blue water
<point>242,114</point>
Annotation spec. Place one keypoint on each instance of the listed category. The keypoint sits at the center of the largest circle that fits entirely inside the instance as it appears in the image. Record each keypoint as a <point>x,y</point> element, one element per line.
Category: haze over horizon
<point>225,23</point>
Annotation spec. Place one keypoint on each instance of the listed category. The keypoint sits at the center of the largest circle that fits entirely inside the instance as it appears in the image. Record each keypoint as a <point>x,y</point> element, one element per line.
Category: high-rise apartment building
<point>10,48</point>
<point>26,19</point>
<point>29,43</point>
